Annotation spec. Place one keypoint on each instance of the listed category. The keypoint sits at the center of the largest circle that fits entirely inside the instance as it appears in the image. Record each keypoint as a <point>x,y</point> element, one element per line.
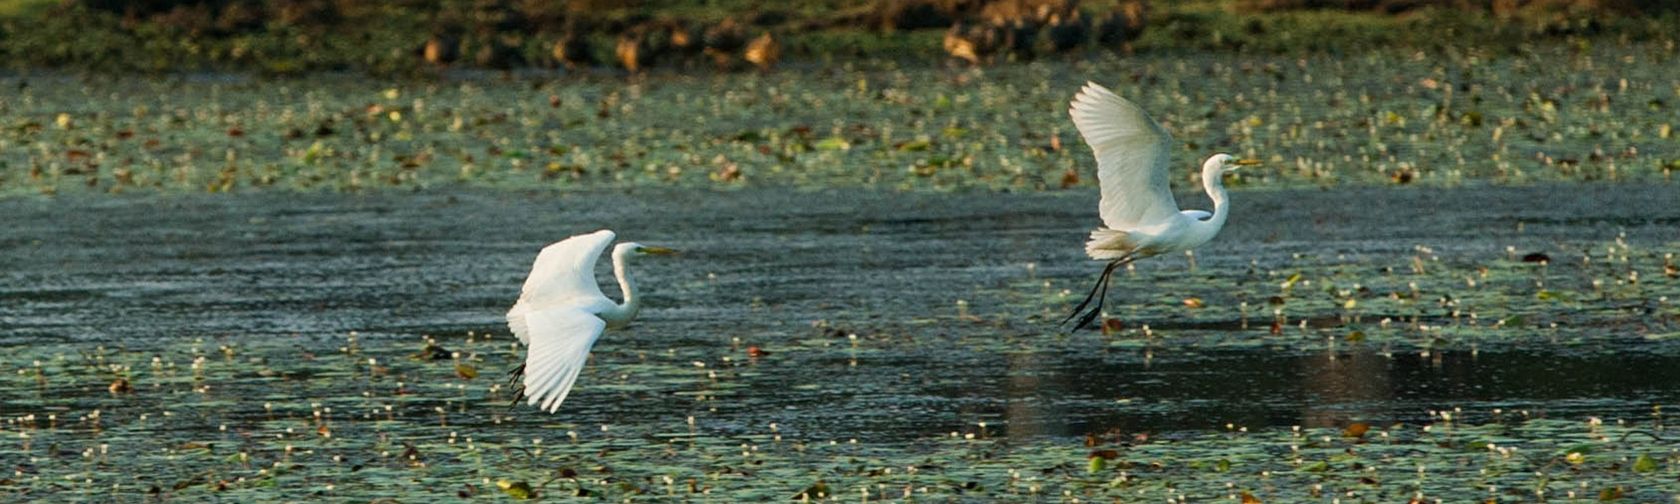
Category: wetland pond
<point>1362,344</point>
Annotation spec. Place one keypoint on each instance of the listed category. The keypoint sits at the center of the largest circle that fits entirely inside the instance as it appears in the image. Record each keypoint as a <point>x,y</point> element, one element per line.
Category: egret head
<point>1219,164</point>
<point>639,249</point>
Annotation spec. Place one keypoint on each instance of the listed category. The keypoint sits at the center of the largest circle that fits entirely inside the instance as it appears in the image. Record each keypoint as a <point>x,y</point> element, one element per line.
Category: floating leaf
<point>833,143</point>
<point>917,145</point>
<point>1644,464</point>
<point>516,489</point>
<point>466,371</point>
<point>1194,302</point>
<point>431,352</point>
<point>1610,494</point>
<point>1472,119</point>
<point>817,491</point>
<point>1356,430</point>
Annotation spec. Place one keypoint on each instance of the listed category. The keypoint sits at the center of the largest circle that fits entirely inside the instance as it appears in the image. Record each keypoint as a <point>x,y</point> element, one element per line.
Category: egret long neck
<point>1213,183</point>
<point>622,313</point>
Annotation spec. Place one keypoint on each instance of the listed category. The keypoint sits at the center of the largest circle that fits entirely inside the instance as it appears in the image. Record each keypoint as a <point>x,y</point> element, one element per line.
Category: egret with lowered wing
<point>561,312</point>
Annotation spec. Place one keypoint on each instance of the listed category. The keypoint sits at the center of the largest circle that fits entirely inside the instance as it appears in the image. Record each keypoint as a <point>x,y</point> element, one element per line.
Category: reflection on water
<point>1357,378</point>
<point>1054,395</point>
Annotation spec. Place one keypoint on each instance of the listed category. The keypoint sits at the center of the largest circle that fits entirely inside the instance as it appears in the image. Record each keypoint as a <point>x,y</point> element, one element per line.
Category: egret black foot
<point>516,381</point>
<point>1099,292</point>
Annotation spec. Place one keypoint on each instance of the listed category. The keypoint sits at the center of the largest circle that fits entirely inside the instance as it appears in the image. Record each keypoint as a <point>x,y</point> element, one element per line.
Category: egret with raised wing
<point>561,312</point>
<point>1140,217</point>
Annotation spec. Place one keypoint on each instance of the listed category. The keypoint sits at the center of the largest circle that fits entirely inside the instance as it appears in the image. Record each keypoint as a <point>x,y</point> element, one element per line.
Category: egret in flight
<point>561,312</point>
<point>1140,216</point>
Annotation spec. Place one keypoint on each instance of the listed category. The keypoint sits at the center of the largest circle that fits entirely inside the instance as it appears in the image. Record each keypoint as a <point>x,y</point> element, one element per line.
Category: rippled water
<point>799,273</point>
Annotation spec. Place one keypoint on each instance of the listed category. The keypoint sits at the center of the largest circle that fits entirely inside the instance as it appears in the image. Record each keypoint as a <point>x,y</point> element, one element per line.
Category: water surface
<point>799,274</point>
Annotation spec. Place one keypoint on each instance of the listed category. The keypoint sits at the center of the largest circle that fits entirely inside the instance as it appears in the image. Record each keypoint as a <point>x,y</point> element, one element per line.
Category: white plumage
<point>1140,216</point>
<point>561,312</point>
<point>1132,153</point>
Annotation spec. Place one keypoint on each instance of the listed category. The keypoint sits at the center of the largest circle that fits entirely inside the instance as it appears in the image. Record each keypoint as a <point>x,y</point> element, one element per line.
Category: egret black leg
<point>1095,288</point>
<point>1099,292</point>
<point>1089,296</point>
<point>517,383</point>
<point>1095,311</point>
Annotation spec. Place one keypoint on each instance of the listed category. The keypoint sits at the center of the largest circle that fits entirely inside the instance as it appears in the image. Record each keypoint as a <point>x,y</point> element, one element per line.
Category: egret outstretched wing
<point>566,270</point>
<point>1132,153</point>
<point>560,339</point>
<point>564,275</point>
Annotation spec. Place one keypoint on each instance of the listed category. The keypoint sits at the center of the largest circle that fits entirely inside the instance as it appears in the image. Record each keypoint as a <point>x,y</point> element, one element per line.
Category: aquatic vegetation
<point>305,346</point>
<point>1521,345</point>
<point>281,37</point>
<point>830,382</point>
<point>1419,303</point>
<point>1552,113</point>
<point>353,417</point>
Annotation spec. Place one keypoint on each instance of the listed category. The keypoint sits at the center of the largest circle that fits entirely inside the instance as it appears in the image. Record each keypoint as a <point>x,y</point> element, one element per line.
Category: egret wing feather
<point>565,270</point>
<point>563,274</point>
<point>560,339</point>
<point>1132,152</point>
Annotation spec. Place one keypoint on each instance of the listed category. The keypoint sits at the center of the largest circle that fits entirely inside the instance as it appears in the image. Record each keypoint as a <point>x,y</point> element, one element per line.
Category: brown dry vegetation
<point>286,36</point>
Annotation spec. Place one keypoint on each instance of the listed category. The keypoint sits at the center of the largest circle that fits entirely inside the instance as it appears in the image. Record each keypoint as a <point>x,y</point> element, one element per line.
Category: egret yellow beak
<point>1246,162</point>
<point>657,251</point>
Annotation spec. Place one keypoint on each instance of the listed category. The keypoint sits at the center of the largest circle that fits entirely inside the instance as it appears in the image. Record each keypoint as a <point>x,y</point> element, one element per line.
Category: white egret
<point>1140,216</point>
<point>561,312</point>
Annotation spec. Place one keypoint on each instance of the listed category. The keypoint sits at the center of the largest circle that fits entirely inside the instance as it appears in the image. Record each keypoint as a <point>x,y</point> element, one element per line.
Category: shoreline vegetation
<point>417,38</point>
<point>114,101</point>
